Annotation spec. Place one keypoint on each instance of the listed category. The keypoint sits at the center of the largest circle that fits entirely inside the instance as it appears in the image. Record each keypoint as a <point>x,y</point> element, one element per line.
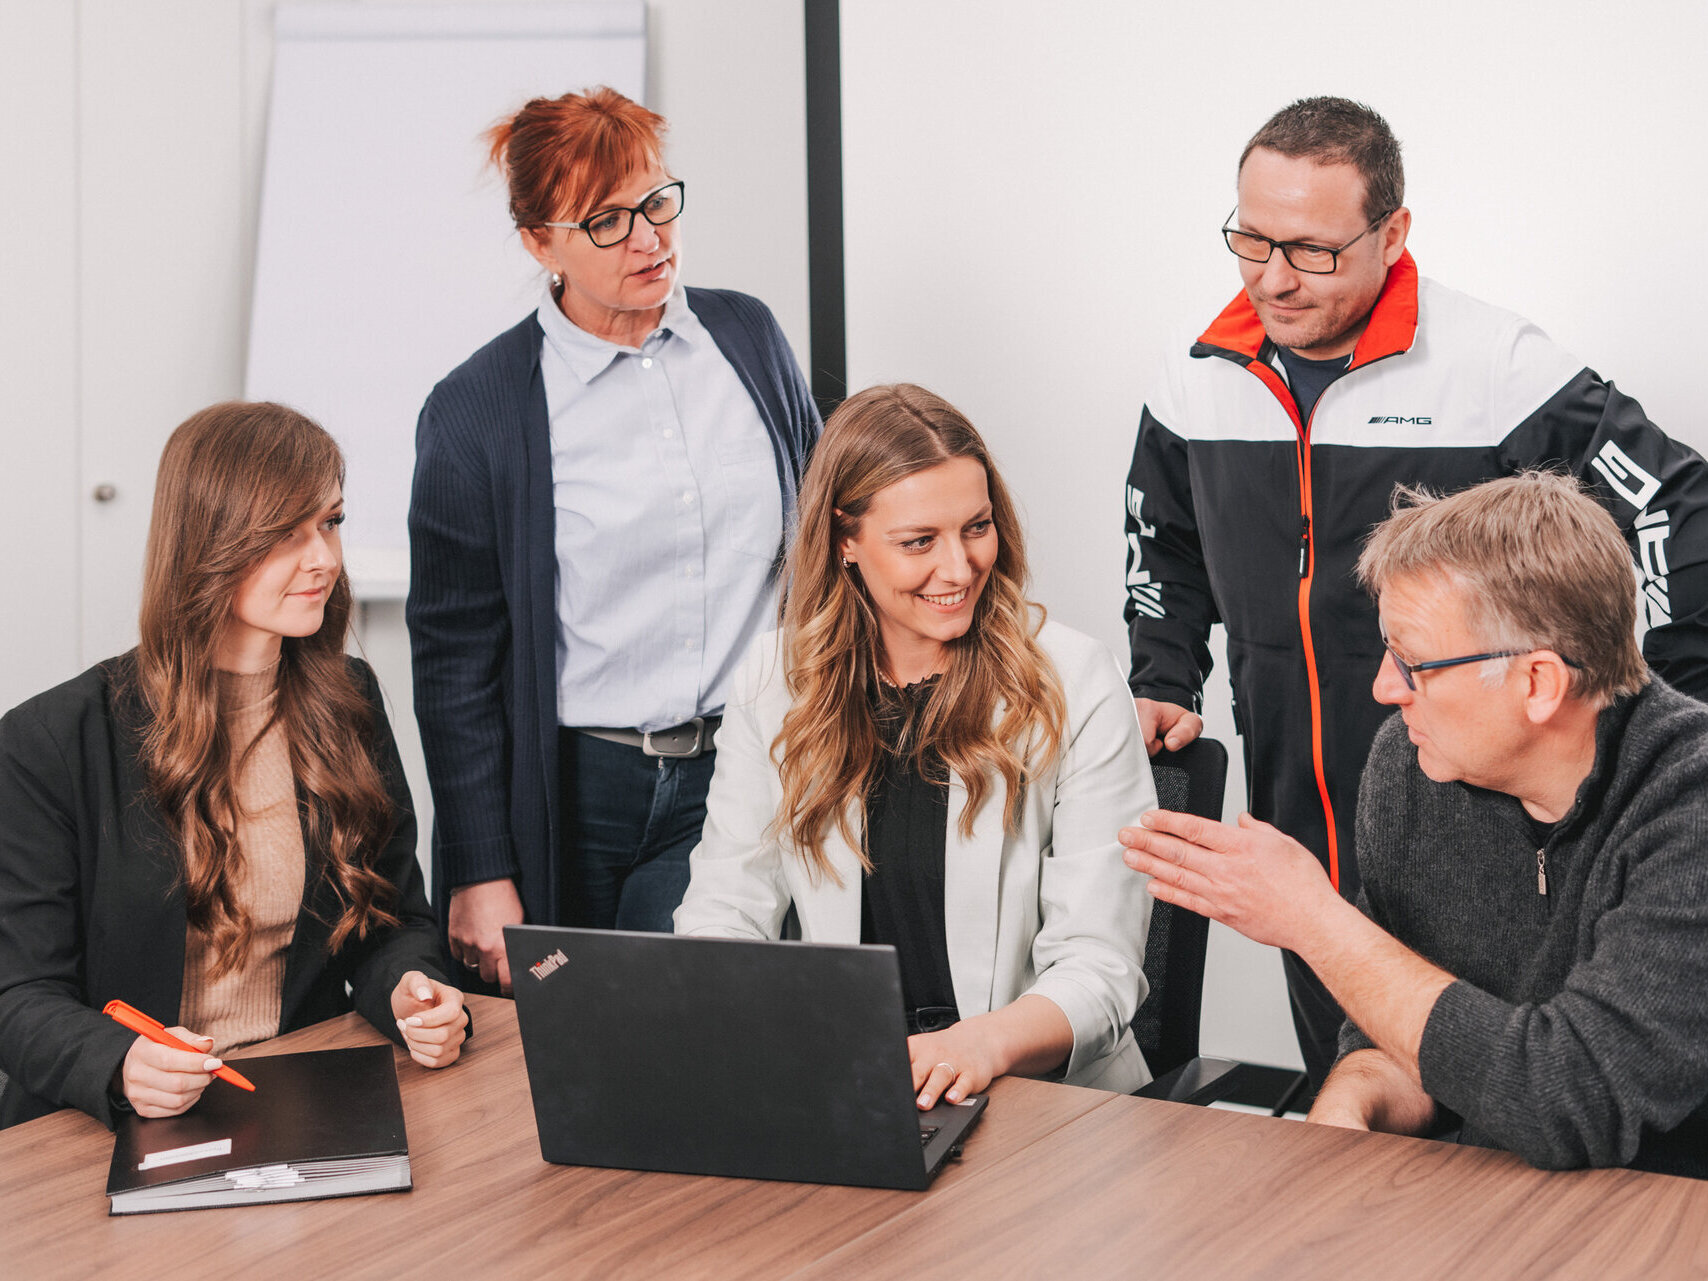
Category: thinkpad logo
<point>1407,422</point>
<point>542,968</point>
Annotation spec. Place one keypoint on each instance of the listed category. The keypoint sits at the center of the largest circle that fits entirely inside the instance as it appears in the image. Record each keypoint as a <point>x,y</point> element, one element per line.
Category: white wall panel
<point>162,256</point>
<point>41,502</point>
<point>729,76</point>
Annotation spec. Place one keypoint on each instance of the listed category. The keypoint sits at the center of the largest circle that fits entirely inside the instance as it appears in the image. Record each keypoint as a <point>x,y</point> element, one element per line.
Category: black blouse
<point>907,819</point>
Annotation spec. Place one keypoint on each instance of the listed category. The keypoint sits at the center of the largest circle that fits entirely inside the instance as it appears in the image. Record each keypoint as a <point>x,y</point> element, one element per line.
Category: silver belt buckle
<point>693,750</point>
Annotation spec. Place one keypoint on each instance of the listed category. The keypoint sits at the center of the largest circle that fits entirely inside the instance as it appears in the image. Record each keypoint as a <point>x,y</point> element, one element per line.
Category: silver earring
<point>847,561</point>
<point>557,281</point>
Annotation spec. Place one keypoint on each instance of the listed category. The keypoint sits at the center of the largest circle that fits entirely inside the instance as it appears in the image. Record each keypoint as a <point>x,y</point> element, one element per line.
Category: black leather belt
<point>678,743</point>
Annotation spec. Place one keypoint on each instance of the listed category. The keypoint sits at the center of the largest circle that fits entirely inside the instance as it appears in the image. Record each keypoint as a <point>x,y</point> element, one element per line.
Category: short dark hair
<point>1338,131</point>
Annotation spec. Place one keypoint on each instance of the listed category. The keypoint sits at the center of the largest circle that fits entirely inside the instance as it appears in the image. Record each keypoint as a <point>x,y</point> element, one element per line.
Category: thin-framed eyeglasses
<point>1301,255</point>
<point>1408,671</point>
<point>610,227</point>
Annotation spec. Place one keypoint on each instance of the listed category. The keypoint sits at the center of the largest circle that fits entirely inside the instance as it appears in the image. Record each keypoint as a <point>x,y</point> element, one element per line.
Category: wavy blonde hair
<point>234,479</point>
<point>997,712</point>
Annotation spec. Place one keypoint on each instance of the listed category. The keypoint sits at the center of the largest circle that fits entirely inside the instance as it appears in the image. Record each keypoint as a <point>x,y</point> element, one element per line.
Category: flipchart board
<point>385,253</point>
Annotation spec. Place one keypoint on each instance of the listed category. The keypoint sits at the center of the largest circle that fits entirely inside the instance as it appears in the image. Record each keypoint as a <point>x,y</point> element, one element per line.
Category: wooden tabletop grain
<point>1056,1180</point>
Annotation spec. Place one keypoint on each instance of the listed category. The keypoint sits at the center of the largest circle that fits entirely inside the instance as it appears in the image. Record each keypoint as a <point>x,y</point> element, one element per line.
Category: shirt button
<point>690,570</point>
<point>669,433</point>
<point>646,362</point>
<point>688,497</point>
<point>687,642</point>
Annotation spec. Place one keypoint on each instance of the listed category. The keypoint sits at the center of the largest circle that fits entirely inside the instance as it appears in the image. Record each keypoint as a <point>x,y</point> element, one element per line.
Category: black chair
<point>1166,1025</point>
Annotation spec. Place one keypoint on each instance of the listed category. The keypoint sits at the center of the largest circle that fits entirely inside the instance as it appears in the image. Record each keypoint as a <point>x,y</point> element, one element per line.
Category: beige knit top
<point>243,1007</point>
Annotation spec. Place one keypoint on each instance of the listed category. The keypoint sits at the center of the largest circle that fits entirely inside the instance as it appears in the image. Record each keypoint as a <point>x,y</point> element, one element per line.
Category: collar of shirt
<point>588,355</point>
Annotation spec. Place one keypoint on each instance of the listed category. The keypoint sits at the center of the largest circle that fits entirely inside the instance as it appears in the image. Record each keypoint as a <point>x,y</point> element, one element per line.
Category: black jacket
<point>1239,514</point>
<point>91,907</point>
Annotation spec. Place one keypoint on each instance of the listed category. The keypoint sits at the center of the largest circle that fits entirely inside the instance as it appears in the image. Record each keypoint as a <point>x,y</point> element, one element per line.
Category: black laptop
<point>761,1060</point>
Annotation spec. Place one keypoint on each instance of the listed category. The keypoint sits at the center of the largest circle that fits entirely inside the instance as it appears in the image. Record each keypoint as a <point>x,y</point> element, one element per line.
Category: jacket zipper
<point>1307,570</point>
<point>1268,375</point>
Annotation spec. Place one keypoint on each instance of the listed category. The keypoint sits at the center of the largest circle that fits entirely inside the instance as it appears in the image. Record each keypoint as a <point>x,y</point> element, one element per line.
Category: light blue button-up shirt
<point>669,520</point>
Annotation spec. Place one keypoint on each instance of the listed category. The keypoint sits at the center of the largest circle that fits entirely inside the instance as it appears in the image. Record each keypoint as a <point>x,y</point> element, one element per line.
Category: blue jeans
<point>629,823</point>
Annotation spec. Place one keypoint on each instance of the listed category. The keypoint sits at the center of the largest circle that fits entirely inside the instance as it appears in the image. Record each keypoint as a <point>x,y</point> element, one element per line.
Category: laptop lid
<point>766,1060</point>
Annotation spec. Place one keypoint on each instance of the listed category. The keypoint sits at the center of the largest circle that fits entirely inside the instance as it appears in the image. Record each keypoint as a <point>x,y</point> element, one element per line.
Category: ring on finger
<point>950,1066</point>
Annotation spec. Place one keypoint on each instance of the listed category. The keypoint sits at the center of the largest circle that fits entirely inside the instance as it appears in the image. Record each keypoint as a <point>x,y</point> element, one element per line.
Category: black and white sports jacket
<point>1239,513</point>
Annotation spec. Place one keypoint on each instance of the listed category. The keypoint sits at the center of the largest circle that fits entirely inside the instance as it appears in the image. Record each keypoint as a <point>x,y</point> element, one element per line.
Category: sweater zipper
<point>1542,871</point>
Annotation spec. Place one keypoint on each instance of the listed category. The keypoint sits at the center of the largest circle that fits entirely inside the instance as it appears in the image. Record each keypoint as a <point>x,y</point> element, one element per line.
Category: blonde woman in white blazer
<point>911,671</point>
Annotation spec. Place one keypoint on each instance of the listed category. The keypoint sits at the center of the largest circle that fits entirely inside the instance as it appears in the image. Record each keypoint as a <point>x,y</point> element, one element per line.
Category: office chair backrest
<point>1166,1025</point>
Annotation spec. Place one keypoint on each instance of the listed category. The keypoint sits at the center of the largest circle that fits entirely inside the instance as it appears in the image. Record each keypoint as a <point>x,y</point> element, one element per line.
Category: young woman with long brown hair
<point>917,759</point>
<point>214,826</point>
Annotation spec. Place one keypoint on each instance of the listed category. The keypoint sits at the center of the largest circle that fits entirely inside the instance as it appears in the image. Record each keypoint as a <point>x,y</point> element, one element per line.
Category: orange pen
<point>155,1030</point>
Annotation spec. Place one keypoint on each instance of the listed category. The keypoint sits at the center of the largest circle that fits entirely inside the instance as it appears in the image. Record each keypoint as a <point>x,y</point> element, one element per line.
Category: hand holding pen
<point>166,1069</point>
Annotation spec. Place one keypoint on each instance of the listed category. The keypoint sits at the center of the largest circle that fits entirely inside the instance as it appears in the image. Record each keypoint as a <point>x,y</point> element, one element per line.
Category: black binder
<point>322,1123</point>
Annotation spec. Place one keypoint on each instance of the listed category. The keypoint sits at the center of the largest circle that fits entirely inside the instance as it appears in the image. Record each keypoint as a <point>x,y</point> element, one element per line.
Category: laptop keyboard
<point>927,1133</point>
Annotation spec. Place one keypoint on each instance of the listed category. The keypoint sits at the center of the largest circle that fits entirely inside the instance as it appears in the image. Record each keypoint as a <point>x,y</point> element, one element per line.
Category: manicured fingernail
<point>414,1021</point>
<point>954,1096</point>
<point>924,1100</point>
<point>400,1025</point>
<point>423,994</point>
<point>212,1065</point>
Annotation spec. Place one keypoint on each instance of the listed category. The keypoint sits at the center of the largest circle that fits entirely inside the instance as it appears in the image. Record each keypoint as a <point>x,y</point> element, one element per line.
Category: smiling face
<point>617,293</point>
<point>1464,729</point>
<point>924,551</point>
<point>1295,199</point>
<point>285,593</point>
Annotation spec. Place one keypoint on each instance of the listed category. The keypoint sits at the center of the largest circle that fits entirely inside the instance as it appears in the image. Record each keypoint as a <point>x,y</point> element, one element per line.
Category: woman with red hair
<point>600,500</point>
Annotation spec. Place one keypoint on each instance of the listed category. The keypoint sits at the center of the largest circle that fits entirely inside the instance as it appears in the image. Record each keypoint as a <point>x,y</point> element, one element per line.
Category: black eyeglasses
<point>611,227</point>
<point>1313,260</point>
<point>1408,670</point>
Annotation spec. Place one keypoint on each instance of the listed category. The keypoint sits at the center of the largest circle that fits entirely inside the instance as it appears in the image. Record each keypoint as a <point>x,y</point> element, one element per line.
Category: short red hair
<point>563,156</point>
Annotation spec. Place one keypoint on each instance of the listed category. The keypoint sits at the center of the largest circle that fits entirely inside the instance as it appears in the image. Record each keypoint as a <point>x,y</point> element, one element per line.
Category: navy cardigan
<point>482,608</point>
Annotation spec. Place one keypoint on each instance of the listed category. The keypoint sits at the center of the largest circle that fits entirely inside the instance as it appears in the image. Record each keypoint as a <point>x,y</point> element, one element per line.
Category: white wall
<point>1034,192</point>
<point>131,139</point>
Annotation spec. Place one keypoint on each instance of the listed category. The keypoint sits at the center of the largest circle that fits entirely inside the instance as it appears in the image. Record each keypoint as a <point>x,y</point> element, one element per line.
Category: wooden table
<point>1056,1181</point>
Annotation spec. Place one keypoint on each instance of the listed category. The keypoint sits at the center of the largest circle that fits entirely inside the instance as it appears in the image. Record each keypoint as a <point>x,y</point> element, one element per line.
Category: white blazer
<point>1049,909</point>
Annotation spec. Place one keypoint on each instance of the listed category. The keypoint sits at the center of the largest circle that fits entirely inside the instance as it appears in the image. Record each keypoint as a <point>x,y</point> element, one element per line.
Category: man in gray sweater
<point>1528,960</point>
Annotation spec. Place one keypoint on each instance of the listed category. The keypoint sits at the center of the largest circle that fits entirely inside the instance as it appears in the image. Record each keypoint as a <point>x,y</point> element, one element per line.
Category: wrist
<point>1324,930</point>
<point>117,1099</point>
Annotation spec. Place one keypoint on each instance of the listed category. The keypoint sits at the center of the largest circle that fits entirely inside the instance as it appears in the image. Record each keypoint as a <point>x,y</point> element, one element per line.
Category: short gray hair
<point>1541,565</point>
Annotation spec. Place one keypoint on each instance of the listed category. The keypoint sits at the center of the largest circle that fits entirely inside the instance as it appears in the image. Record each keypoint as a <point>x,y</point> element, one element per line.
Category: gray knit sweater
<point>1577,1032</point>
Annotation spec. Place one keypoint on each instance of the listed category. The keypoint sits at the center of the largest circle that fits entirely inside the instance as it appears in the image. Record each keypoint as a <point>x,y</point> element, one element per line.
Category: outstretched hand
<point>1252,878</point>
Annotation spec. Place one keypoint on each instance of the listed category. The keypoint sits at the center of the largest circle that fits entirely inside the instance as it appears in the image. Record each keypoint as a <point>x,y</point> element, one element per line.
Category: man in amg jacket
<point>1268,450</point>
<point>1531,959</point>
